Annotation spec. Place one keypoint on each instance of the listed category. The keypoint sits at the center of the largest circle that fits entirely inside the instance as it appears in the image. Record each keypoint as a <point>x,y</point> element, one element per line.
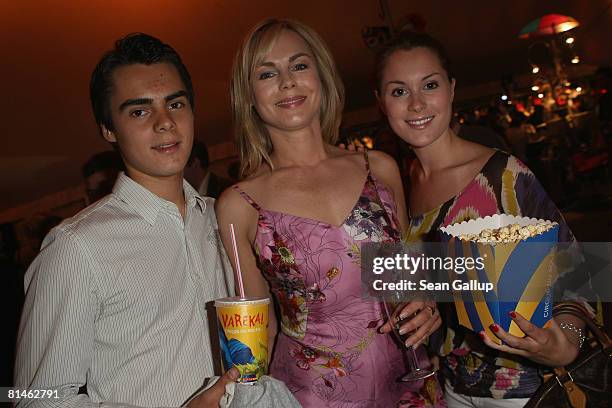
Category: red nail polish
<point>482,335</point>
<point>494,328</point>
<point>512,315</point>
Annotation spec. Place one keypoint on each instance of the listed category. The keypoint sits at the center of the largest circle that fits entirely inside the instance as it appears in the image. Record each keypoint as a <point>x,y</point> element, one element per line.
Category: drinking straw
<point>237,260</point>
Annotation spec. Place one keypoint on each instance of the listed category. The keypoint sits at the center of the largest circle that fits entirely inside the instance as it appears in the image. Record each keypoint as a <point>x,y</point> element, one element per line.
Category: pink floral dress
<point>328,350</point>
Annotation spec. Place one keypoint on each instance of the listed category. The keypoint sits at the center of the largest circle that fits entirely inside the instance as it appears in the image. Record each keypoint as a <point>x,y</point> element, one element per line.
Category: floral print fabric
<point>328,351</point>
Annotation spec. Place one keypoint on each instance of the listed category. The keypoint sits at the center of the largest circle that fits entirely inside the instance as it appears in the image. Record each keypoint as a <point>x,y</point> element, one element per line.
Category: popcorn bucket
<point>520,267</point>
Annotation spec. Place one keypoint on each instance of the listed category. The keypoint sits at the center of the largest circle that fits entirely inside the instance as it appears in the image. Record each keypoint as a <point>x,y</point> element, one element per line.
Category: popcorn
<point>509,233</point>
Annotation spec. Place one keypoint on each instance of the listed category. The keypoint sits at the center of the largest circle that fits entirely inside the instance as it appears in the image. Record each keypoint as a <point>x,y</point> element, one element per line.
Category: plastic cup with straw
<point>243,328</point>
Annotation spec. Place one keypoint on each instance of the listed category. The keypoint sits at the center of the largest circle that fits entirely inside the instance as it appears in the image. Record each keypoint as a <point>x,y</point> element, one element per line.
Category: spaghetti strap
<point>247,197</point>
<point>367,162</point>
<point>374,183</point>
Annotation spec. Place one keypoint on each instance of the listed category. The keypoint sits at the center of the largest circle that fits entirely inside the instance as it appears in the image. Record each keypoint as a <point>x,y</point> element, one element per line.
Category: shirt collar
<point>203,188</point>
<point>192,198</point>
<point>147,204</point>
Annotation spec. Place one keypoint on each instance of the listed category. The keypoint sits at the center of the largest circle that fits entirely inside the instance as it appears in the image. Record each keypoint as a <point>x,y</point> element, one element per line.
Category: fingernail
<point>482,335</point>
<point>494,328</point>
<point>402,331</point>
<point>379,330</point>
<point>408,344</point>
<point>512,315</point>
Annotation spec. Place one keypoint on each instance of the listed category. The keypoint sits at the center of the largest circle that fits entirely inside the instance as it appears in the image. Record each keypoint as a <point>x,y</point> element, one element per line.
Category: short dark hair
<point>136,48</point>
<point>199,151</point>
<point>107,160</point>
<point>406,41</point>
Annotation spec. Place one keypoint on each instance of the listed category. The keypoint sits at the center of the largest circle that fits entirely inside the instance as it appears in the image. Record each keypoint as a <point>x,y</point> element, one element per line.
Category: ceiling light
<point>569,40</point>
<point>535,88</point>
<point>535,69</point>
<point>540,95</point>
<point>575,60</point>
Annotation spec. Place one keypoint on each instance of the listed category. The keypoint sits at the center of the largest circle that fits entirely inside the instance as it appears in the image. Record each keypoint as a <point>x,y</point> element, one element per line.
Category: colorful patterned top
<point>328,351</point>
<point>504,185</point>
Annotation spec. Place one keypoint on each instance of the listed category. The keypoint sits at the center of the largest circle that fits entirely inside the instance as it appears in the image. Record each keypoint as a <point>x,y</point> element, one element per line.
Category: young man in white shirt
<point>116,299</point>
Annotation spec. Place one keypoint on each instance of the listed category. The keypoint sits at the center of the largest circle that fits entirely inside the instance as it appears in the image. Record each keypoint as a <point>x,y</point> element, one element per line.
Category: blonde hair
<point>252,137</point>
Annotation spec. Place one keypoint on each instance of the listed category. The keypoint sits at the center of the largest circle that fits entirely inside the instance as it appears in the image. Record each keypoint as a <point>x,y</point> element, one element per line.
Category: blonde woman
<point>301,214</point>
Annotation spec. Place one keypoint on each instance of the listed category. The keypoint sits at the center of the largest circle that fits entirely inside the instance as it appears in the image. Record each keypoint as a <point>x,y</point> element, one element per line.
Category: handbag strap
<point>574,393</point>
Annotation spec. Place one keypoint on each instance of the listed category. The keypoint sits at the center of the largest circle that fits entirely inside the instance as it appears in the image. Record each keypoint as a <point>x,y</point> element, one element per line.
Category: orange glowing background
<point>49,48</point>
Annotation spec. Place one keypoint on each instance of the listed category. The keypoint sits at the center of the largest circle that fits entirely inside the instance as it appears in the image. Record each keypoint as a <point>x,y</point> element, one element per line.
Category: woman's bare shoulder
<point>478,152</point>
<point>252,187</point>
<point>229,200</point>
<point>471,156</point>
<point>234,199</point>
<point>376,158</point>
<point>382,165</point>
<point>386,170</point>
<point>380,158</point>
<point>344,154</point>
<point>346,160</point>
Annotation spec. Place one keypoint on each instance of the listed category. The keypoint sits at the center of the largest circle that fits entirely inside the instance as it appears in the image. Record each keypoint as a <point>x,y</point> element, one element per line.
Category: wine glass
<point>393,308</point>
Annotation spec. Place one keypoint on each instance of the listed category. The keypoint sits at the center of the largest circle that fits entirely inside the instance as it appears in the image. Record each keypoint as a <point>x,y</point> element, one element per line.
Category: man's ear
<point>380,104</point>
<point>453,82</point>
<point>108,135</point>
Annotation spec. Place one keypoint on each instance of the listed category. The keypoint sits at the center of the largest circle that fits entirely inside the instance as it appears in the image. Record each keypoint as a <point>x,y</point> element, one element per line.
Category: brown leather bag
<point>587,382</point>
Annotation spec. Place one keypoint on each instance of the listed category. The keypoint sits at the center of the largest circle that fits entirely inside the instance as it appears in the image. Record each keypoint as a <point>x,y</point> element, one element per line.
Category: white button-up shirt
<point>116,299</point>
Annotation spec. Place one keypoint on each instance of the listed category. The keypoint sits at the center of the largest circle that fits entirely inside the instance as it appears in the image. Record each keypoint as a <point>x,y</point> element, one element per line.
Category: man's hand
<point>212,396</point>
<point>355,146</point>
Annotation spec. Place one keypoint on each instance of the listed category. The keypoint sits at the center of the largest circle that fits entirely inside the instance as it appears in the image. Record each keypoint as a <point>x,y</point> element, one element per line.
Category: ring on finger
<point>432,310</point>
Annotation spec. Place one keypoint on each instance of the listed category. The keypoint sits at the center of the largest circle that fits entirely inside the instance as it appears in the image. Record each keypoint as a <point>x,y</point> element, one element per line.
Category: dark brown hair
<point>136,48</point>
<point>406,41</point>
